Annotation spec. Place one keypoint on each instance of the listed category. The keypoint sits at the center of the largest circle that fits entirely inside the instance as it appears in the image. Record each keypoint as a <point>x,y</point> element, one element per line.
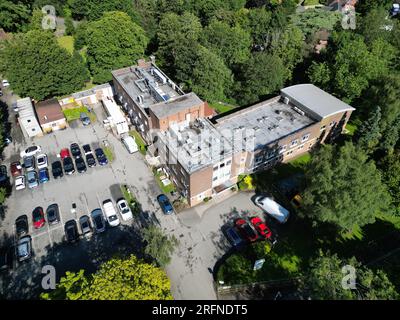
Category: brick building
<point>204,156</point>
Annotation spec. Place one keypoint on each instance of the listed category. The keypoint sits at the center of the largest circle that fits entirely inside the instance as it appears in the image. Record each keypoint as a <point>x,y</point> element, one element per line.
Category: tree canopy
<point>325,277</point>
<point>39,68</point>
<point>344,188</point>
<point>113,42</point>
<point>116,279</point>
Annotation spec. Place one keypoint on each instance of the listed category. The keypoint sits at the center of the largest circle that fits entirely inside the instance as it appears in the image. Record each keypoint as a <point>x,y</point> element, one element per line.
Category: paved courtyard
<point>198,230</point>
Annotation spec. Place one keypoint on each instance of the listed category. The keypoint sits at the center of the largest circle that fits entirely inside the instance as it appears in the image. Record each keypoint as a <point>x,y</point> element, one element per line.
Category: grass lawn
<point>311,2</point>
<point>139,141</point>
<point>109,154</point>
<point>301,161</point>
<point>130,198</point>
<point>66,42</point>
<point>74,114</point>
<point>220,108</point>
<point>165,189</point>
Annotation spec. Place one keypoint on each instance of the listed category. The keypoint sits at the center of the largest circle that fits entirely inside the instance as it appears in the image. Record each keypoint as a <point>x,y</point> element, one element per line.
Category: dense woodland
<point>238,52</point>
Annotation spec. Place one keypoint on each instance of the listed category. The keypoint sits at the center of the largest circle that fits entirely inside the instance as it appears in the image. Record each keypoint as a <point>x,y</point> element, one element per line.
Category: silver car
<point>86,227</point>
<point>32,179</point>
<point>24,248</point>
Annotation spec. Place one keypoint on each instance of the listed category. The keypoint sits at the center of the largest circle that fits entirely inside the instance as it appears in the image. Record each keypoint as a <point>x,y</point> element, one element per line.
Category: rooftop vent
<point>299,111</point>
<point>286,100</point>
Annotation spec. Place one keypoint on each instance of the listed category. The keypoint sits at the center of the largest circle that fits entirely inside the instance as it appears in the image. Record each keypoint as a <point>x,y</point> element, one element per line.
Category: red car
<point>16,169</point>
<point>261,227</point>
<point>38,218</point>
<point>64,153</point>
<point>246,230</point>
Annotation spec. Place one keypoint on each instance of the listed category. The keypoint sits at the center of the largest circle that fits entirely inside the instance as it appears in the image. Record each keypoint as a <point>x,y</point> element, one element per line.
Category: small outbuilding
<point>50,115</point>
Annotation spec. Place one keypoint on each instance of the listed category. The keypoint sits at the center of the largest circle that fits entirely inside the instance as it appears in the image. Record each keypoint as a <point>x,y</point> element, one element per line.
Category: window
<point>29,120</point>
<point>289,152</point>
<point>215,178</point>
<point>228,162</point>
<point>140,115</point>
<point>222,165</point>
<point>294,143</point>
<point>215,168</point>
<point>259,159</point>
<point>282,149</point>
<point>305,137</point>
<point>323,128</point>
<point>332,123</point>
<point>242,159</point>
<point>301,146</point>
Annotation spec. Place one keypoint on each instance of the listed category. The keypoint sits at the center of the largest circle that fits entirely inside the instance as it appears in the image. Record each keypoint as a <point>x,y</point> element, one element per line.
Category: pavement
<point>201,242</point>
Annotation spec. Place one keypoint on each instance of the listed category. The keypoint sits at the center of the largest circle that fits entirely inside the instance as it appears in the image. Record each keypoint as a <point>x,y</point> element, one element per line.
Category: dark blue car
<point>233,236</point>
<point>101,157</point>
<point>43,175</point>
<point>165,205</point>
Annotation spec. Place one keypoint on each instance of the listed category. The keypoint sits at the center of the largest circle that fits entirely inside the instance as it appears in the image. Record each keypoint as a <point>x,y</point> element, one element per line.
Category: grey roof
<point>315,101</point>
<point>173,106</point>
<point>261,124</point>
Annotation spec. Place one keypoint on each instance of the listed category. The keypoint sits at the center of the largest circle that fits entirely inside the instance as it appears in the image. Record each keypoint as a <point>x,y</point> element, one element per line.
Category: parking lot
<point>201,242</point>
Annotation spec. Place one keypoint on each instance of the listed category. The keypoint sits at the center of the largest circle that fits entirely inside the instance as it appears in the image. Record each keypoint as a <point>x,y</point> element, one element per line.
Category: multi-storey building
<point>203,156</point>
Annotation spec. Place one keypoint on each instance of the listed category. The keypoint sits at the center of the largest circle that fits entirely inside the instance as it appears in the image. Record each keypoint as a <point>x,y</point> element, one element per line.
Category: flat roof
<point>49,111</point>
<point>173,106</point>
<point>315,101</point>
<point>147,85</point>
<point>261,124</point>
<point>25,108</point>
<point>196,145</point>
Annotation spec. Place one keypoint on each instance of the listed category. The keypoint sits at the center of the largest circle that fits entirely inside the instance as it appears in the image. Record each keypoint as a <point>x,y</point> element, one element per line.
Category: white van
<point>274,209</point>
<point>110,213</point>
<point>130,144</point>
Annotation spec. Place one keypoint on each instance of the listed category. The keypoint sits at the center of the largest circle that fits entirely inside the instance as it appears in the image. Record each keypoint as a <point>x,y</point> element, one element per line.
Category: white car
<point>30,151</point>
<point>20,183</point>
<point>5,83</point>
<point>41,161</point>
<point>124,210</point>
<point>110,213</point>
<point>272,208</point>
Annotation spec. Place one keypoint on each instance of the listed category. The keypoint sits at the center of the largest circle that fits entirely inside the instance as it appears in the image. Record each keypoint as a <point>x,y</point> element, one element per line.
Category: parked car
<point>246,230</point>
<point>44,175</point>
<point>99,223</point>
<point>7,140</point>
<point>3,174</point>
<point>91,162</point>
<point>110,213</point>
<point>32,178</point>
<point>20,183</point>
<point>233,236</point>
<point>5,83</point>
<point>41,161</point>
<point>69,167</point>
<point>75,150</point>
<point>165,204</point>
<point>86,149</point>
<point>30,151</point>
<point>53,214</point>
<point>38,218</point>
<point>86,226</point>
<point>21,226</point>
<point>296,201</point>
<point>16,169</point>
<point>71,231</point>
<point>124,210</point>
<point>261,227</point>
<point>6,259</point>
<point>24,248</point>
<point>101,157</point>
<point>84,119</point>
<point>64,153</point>
<point>272,208</point>
<point>129,143</point>
<point>80,165</point>
<point>29,163</point>
<point>57,170</point>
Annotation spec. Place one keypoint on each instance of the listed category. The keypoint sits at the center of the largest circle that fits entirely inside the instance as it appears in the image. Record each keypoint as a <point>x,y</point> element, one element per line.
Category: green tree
<point>94,9</point>
<point>113,42</point>
<point>324,281</point>
<point>36,20</point>
<point>371,26</point>
<point>211,79</point>
<point>344,188</point>
<point>13,16</point>
<point>158,245</point>
<point>369,133</point>
<point>230,43</point>
<point>38,67</point>
<point>117,279</point>
<point>390,169</point>
<point>353,64</point>
<point>261,75</point>
<point>259,24</point>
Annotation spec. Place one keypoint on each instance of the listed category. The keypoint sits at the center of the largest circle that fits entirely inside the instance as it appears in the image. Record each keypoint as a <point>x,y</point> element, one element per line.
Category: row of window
<point>215,168</point>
